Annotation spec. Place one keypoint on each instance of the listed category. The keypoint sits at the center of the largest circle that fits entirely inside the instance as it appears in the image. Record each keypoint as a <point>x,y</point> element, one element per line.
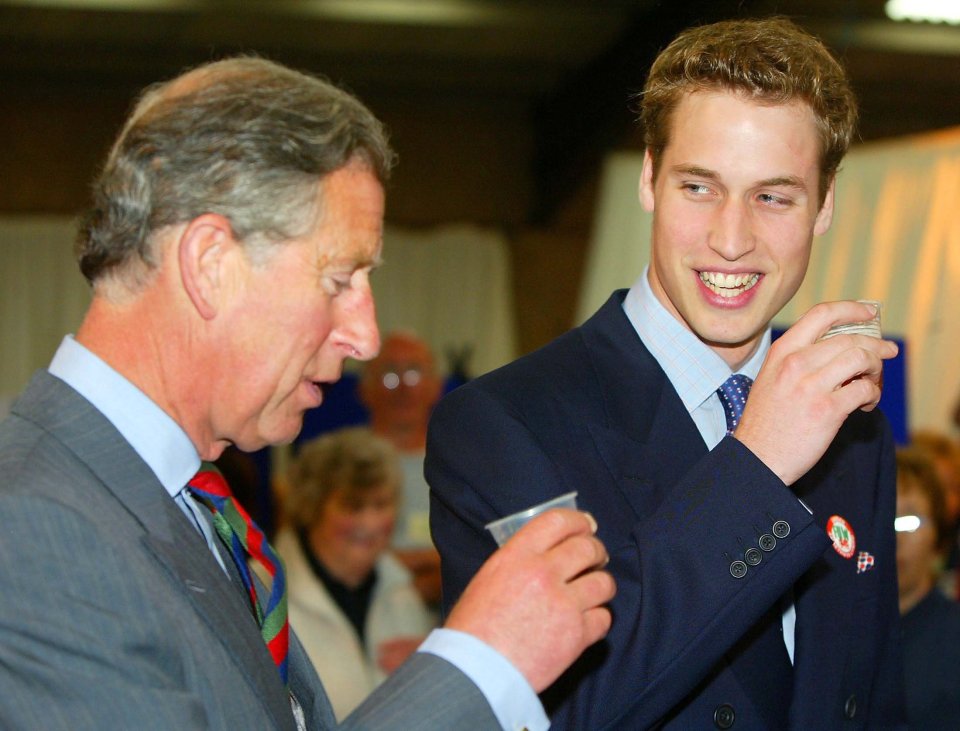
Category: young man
<point>754,560</point>
<point>237,219</point>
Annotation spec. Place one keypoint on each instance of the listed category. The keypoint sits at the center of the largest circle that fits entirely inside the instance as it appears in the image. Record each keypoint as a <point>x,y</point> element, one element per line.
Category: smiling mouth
<point>729,285</point>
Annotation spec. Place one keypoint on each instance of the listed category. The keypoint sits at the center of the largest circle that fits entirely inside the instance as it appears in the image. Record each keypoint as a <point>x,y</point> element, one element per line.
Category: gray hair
<point>245,138</point>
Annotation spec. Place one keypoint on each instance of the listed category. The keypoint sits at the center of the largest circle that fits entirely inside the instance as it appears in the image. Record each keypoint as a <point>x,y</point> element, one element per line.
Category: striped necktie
<point>246,541</point>
<point>733,395</point>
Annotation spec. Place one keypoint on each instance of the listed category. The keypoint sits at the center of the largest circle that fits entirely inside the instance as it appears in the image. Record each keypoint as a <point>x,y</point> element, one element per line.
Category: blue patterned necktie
<point>733,395</point>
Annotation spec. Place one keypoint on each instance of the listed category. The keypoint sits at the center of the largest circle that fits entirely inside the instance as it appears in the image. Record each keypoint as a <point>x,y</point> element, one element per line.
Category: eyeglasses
<point>410,377</point>
<point>908,523</point>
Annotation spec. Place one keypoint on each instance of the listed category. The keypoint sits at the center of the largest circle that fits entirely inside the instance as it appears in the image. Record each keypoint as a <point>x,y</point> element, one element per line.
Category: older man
<point>400,388</point>
<point>236,222</point>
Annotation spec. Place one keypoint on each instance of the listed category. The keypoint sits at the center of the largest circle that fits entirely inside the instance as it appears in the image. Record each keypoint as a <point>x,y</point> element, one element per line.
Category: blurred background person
<point>929,620</point>
<point>400,388</point>
<point>352,604</point>
<point>945,454</point>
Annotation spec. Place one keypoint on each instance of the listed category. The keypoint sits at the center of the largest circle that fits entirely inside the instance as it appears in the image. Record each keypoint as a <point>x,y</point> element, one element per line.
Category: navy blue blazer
<point>684,526</point>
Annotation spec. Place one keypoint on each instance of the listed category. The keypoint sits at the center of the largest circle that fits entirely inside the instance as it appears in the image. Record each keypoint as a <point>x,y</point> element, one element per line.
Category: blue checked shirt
<point>696,373</point>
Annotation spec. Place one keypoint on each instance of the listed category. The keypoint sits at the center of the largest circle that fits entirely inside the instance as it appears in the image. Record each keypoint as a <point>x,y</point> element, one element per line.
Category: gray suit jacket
<point>118,616</point>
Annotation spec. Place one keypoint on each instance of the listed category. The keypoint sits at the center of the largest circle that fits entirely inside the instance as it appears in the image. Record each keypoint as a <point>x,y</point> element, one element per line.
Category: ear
<point>646,182</point>
<point>825,214</point>
<point>202,249</point>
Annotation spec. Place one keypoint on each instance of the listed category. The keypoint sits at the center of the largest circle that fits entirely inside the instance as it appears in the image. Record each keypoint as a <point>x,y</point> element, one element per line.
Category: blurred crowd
<point>928,555</point>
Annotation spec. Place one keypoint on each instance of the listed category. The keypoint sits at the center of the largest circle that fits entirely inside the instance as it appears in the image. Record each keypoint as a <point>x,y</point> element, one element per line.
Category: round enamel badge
<point>840,532</point>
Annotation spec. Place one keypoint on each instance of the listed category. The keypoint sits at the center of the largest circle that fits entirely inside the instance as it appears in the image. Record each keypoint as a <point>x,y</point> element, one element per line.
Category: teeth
<point>728,285</point>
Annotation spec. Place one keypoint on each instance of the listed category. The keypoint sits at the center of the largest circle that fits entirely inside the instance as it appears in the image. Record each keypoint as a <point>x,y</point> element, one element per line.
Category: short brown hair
<point>772,61</point>
<point>916,471</point>
<point>353,459</point>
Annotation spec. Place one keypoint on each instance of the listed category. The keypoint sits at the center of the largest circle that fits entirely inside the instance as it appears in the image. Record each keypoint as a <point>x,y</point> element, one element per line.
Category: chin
<point>725,338</point>
<point>284,434</point>
<point>739,330</point>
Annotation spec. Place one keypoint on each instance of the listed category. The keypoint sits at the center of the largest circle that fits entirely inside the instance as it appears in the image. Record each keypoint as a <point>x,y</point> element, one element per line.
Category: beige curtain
<point>42,295</point>
<point>895,237</point>
<point>450,285</point>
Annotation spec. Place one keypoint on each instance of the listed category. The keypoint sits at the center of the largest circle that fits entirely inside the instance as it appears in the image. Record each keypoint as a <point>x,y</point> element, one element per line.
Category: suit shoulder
<point>29,456</point>
<point>555,368</point>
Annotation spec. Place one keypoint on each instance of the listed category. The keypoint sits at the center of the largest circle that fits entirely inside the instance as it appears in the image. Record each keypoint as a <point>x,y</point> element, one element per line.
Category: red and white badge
<point>840,532</point>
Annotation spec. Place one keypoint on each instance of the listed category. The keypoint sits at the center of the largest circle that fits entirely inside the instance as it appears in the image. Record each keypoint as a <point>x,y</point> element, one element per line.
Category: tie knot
<point>209,483</point>
<point>733,395</point>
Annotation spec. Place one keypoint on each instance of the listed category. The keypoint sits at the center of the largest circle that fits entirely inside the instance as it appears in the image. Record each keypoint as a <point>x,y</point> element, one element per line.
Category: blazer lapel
<point>644,434</point>
<point>168,534</point>
<point>222,605</point>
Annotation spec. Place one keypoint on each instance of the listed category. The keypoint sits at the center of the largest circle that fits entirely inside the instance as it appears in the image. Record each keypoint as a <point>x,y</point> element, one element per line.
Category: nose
<point>357,333</point>
<point>373,518</point>
<point>732,234</point>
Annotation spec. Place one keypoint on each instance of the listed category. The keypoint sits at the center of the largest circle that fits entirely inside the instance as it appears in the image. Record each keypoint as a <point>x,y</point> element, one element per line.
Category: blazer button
<point>781,529</point>
<point>724,716</point>
<point>752,556</point>
<point>767,542</point>
<point>850,707</point>
<point>738,569</point>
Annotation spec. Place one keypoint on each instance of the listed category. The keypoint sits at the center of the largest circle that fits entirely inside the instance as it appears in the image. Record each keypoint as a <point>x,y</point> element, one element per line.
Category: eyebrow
<point>781,181</point>
<point>784,181</point>
<point>372,263</point>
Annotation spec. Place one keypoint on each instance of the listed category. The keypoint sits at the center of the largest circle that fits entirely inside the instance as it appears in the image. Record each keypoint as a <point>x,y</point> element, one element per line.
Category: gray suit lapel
<point>168,535</point>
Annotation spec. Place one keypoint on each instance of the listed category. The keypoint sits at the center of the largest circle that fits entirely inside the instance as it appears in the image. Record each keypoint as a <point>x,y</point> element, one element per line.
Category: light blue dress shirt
<point>172,457</point>
<point>156,437</point>
<point>696,372</point>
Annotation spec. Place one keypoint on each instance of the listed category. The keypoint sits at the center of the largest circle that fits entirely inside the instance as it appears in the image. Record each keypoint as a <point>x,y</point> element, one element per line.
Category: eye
<point>335,284</point>
<point>697,189</point>
<point>776,201</point>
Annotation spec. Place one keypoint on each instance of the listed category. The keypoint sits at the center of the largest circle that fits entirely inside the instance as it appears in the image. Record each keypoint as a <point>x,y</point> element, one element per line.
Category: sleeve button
<point>724,716</point>
<point>781,529</point>
<point>752,556</point>
<point>767,542</point>
<point>738,569</point>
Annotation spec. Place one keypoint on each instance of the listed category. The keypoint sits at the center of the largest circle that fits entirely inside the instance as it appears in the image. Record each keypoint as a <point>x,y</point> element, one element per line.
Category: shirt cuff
<point>513,701</point>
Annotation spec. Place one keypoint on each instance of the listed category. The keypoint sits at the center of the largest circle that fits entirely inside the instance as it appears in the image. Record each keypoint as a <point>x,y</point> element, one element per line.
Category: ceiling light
<point>931,11</point>
<point>425,12</point>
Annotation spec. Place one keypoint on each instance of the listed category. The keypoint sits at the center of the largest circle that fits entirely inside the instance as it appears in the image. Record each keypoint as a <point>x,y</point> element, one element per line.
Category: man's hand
<point>806,389</point>
<point>539,599</point>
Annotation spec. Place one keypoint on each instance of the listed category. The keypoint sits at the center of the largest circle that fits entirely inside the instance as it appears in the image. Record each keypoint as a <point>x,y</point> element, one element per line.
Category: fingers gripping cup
<point>503,528</point>
<point>867,327</point>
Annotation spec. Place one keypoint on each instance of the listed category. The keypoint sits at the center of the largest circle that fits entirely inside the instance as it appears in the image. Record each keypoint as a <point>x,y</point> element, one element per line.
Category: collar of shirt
<point>156,437</point>
<point>694,370</point>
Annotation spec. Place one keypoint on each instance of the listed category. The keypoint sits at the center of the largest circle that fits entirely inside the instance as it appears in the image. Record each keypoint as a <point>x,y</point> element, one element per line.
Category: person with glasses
<point>400,388</point>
